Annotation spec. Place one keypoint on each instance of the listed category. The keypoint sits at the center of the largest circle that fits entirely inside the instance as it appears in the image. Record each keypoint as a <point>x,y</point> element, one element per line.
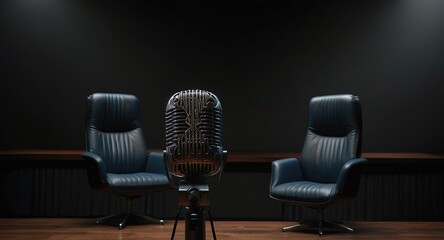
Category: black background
<point>263,59</point>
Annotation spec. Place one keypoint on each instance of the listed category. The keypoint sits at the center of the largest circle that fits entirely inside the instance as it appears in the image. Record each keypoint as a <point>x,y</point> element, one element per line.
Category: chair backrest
<point>193,135</point>
<point>114,131</point>
<point>333,136</point>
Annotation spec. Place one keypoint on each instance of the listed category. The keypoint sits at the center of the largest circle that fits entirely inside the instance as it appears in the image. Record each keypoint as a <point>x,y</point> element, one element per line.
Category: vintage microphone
<point>194,156</point>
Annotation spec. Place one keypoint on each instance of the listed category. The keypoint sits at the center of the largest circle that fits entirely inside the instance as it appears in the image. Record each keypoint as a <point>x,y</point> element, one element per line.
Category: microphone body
<point>193,154</point>
<point>193,136</point>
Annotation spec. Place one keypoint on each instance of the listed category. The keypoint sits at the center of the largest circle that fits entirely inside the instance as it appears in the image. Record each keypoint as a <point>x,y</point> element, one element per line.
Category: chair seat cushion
<point>304,192</point>
<point>137,182</point>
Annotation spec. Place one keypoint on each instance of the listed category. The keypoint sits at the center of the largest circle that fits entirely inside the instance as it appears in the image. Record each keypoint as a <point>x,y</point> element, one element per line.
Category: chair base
<point>320,226</point>
<point>122,220</point>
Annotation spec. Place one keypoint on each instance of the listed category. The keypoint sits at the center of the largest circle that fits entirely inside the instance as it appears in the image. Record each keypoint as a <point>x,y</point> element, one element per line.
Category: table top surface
<point>233,157</point>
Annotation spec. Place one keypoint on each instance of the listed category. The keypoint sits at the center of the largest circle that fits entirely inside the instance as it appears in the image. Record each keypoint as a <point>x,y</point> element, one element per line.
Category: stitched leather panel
<point>124,152</point>
<point>334,115</point>
<point>333,137</point>
<point>322,157</point>
<point>114,132</point>
<point>114,112</point>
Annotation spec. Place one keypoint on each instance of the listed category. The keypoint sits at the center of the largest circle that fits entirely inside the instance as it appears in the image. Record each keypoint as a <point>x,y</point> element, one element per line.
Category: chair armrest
<point>155,163</point>
<point>285,170</point>
<point>96,170</point>
<point>349,177</point>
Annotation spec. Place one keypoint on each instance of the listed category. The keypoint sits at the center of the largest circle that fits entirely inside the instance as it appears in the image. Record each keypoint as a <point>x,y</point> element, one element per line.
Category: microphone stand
<point>194,198</point>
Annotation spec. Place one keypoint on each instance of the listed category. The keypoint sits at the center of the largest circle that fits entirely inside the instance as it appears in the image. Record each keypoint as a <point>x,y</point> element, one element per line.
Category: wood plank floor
<point>84,229</point>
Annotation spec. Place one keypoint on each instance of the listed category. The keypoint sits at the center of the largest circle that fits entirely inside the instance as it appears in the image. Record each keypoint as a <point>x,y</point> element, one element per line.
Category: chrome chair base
<point>321,226</point>
<point>122,220</point>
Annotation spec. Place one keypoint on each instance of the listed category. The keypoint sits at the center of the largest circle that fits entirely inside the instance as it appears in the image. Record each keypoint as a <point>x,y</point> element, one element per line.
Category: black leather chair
<point>117,156</point>
<point>329,168</point>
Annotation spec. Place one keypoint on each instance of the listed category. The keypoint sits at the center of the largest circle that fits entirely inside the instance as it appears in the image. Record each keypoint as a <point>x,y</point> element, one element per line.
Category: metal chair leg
<point>321,224</point>
<point>321,221</point>
<point>338,225</point>
<point>109,218</point>
<point>122,220</point>
<point>291,228</point>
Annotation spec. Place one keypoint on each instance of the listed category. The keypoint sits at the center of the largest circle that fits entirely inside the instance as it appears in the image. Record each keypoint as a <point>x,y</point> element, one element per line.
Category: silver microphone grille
<point>193,134</point>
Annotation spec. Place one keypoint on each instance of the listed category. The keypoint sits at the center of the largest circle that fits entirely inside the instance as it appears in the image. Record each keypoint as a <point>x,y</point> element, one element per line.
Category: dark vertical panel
<point>16,192</point>
<point>65,192</point>
<point>398,193</point>
<point>387,193</point>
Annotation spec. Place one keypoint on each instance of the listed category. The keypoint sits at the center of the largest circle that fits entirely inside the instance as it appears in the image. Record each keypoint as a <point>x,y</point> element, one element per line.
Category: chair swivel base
<point>310,225</point>
<point>122,220</point>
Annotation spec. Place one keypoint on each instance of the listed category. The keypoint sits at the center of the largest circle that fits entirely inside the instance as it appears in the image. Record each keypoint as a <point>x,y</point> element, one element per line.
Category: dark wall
<point>263,59</point>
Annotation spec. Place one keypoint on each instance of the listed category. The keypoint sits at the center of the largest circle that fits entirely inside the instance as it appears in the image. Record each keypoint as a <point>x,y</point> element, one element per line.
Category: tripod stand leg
<point>212,225</point>
<point>175,222</point>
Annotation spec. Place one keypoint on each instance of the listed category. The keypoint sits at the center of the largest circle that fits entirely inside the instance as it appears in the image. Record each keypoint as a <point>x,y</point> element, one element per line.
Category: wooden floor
<point>84,229</point>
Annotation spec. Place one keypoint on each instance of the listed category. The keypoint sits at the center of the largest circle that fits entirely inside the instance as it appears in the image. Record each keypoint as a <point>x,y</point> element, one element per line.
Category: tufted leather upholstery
<point>116,150</point>
<point>329,168</point>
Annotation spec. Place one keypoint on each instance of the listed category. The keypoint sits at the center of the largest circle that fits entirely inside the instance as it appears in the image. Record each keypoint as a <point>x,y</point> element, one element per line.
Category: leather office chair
<point>117,156</point>
<point>329,168</point>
